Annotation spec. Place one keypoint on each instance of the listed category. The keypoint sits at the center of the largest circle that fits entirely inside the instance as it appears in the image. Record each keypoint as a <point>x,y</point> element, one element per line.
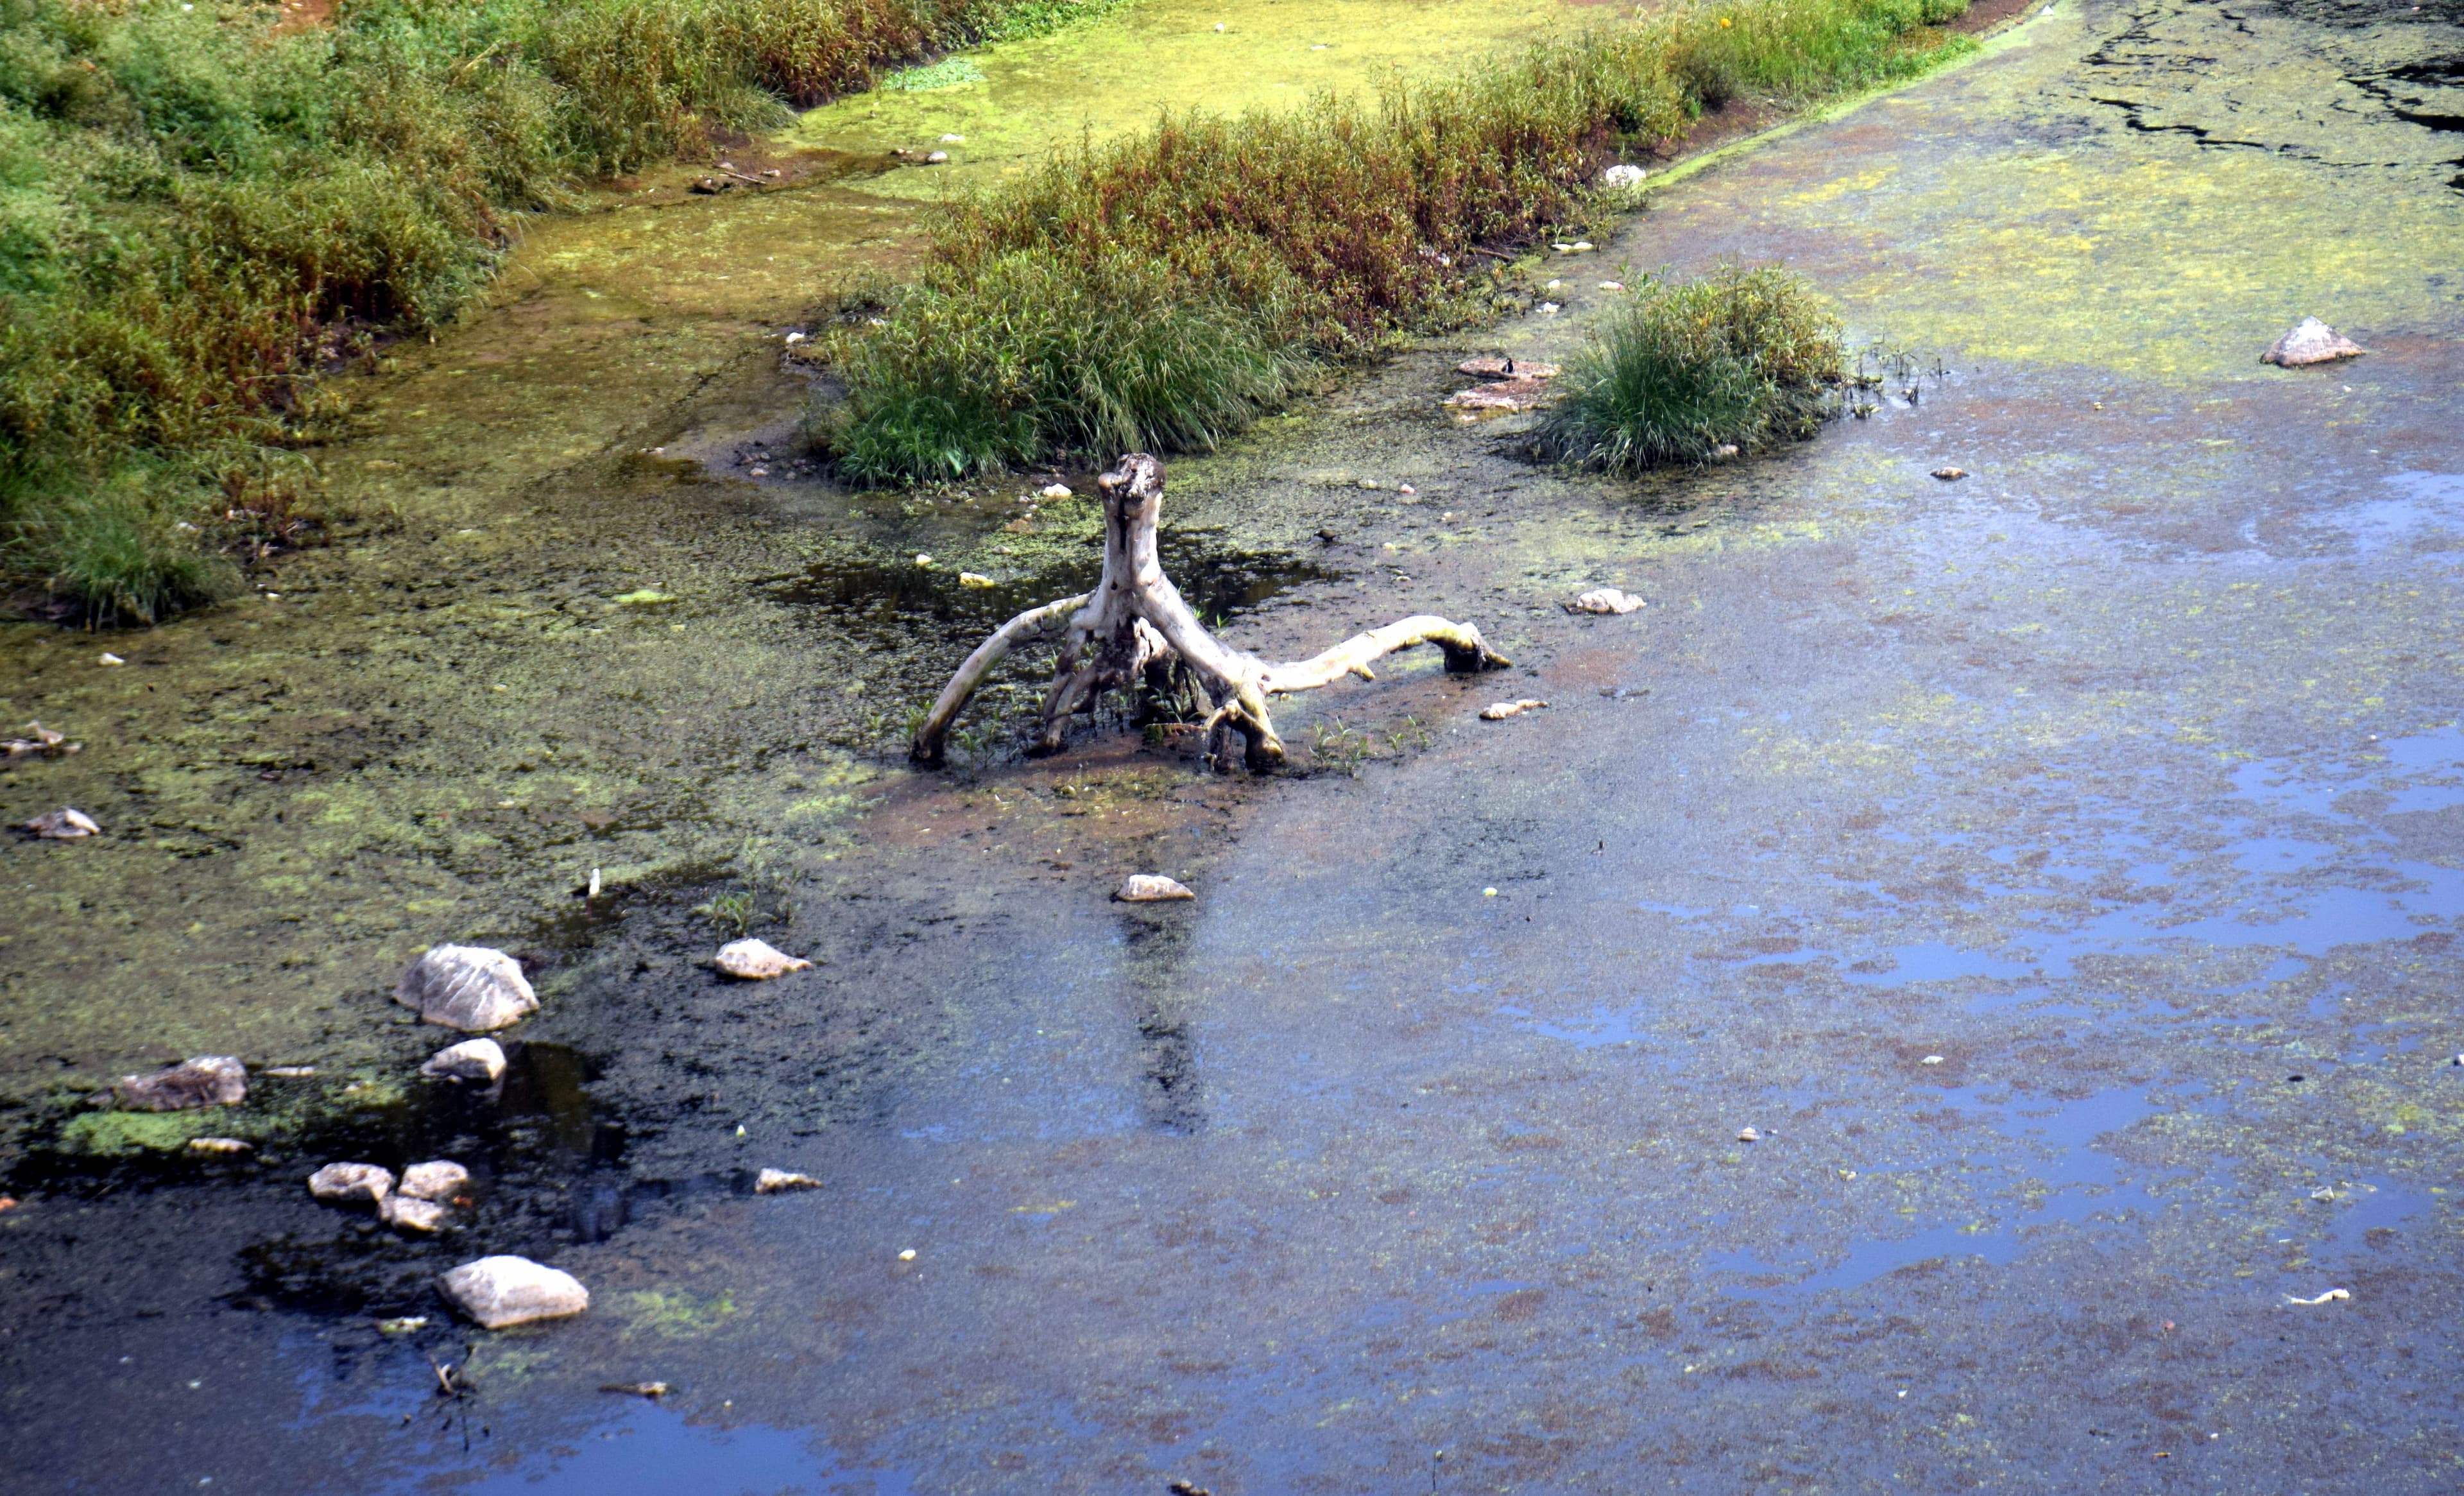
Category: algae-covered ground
<point>2058,868</point>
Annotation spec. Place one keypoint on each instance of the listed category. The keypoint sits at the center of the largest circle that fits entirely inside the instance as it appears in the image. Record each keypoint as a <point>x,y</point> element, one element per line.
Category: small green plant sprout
<point>732,912</point>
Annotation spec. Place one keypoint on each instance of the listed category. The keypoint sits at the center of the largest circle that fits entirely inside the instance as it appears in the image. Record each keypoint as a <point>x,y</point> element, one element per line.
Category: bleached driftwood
<point>1134,626</point>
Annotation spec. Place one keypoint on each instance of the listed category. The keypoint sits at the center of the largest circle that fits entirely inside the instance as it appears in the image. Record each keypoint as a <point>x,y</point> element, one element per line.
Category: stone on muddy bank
<point>2314,342</point>
<point>1499,712</point>
<point>1604,600</point>
<point>757,960</point>
<point>1147,887</point>
<point>211,1080</point>
<point>1623,177</point>
<point>351,1184</point>
<point>467,987</point>
<point>404,1213</point>
<point>778,1181</point>
<point>64,824</point>
<point>497,1292</point>
<point>439,1178</point>
<point>480,1059</point>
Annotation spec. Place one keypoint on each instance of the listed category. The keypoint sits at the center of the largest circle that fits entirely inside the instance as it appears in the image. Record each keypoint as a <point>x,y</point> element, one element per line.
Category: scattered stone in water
<point>2328,1297</point>
<point>64,824</point>
<point>777,1181</point>
<point>439,1178</point>
<point>1148,888</point>
<point>497,1292</point>
<point>1055,491</point>
<point>1622,176</point>
<point>2314,342</point>
<point>481,1060</point>
<point>1405,487</point>
<point>1950,474</point>
<point>210,1080</point>
<point>1747,1134</point>
<point>922,559</point>
<point>643,597</point>
<point>405,1214</point>
<point>109,659</point>
<point>757,960</point>
<point>351,1184</point>
<point>1499,712</point>
<point>1931,1059</point>
<point>636,1389</point>
<point>1500,366</point>
<point>937,158</point>
<point>219,1145</point>
<point>1604,600</point>
<point>976,578</point>
<point>403,1326</point>
<point>469,987</point>
<point>291,1073</point>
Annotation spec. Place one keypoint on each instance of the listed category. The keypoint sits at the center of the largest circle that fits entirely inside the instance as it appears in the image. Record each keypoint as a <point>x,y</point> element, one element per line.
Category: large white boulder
<point>496,1291</point>
<point>467,987</point>
<point>757,960</point>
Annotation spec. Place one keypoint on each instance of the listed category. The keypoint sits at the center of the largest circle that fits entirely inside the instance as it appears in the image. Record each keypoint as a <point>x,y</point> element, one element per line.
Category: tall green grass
<point>200,211</point>
<point>1740,358</point>
<point>1333,229</point>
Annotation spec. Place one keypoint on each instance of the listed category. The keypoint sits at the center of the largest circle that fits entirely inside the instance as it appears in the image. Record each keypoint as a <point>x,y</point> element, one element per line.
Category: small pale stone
<point>976,578</point>
<point>1950,474</point>
<point>937,159</point>
<point>291,1072</point>
<point>436,1179</point>
<point>109,659</point>
<point>757,960</point>
<point>1747,1135</point>
<point>1604,600</point>
<point>2314,342</point>
<point>497,1292</point>
<point>1622,176</point>
<point>219,1145</point>
<point>351,1184</point>
<point>1501,711</point>
<point>404,1213</point>
<point>1056,491</point>
<point>777,1181</point>
<point>481,1060</point>
<point>64,824</point>
<point>211,1080</point>
<point>469,987</point>
<point>1147,887</point>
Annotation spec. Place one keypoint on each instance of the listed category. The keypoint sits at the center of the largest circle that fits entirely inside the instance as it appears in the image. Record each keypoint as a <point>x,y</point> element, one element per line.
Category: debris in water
<point>757,960</point>
<point>404,1213</point>
<point>64,824</point>
<point>1499,712</point>
<point>481,1060</point>
<point>351,1184</point>
<point>209,1080</point>
<point>1747,1134</point>
<point>1604,600</point>
<point>1931,1059</point>
<point>907,1256</point>
<point>1147,887</point>
<point>469,987</point>
<point>439,1179</point>
<point>976,578</point>
<point>291,1073</point>
<point>2329,1296</point>
<point>497,1292</point>
<point>1488,893</point>
<point>923,559</point>
<point>109,659</point>
<point>403,1326</point>
<point>219,1145</point>
<point>2314,342</point>
<point>1578,246</point>
<point>778,1181</point>
<point>1612,285</point>
<point>636,1389</point>
<point>1950,474</point>
<point>1405,487</point>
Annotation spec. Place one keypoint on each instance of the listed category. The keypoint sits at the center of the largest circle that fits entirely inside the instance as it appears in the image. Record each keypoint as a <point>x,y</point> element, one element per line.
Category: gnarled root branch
<point>1134,626</point>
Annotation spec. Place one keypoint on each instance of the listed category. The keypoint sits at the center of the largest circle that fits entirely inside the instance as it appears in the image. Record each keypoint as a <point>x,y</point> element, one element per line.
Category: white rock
<point>497,1292</point>
<point>436,1179</point>
<point>937,158</point>
<point>976,578</point>
<point>2314,342</point>
<point>1499,712</point>
<point>953,139</point>
<point>350,1183</point>
<point>777,1181</point>
<point>481,1060</point>
<point>757,960</point>
<point>219,1145</point>
<point>1147,887</point>
<point>467,987</point>
<point>1055,491</point>
<point>1604,600</point>
<point>109,659</point>
<point>1622,176</point>
<point>64,824</point>
<point>404,1213</point>
<point>210,1080</point>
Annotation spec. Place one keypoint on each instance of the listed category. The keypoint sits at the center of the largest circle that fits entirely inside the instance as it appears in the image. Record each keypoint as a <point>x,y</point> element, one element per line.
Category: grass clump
<point>1741,358</point>
<point>1333,230</point>
<point>202,211</point>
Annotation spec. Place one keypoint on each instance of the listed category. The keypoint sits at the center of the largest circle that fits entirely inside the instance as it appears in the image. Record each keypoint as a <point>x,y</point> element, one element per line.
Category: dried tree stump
<point>1134,626</point>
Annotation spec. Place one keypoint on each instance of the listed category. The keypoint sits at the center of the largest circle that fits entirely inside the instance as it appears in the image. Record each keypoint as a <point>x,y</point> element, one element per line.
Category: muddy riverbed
<point>2058,869</point>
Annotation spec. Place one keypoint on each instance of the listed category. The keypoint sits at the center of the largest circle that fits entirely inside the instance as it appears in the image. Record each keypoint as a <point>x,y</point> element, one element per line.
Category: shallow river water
<point>2060,869</point>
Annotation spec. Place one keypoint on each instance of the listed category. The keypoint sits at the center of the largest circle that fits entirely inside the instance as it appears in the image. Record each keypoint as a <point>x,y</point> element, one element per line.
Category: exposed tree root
<point>1134,626</point>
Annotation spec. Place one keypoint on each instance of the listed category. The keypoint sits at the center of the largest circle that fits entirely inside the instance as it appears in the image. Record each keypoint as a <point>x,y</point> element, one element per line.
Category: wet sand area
<point>2057,869</point>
